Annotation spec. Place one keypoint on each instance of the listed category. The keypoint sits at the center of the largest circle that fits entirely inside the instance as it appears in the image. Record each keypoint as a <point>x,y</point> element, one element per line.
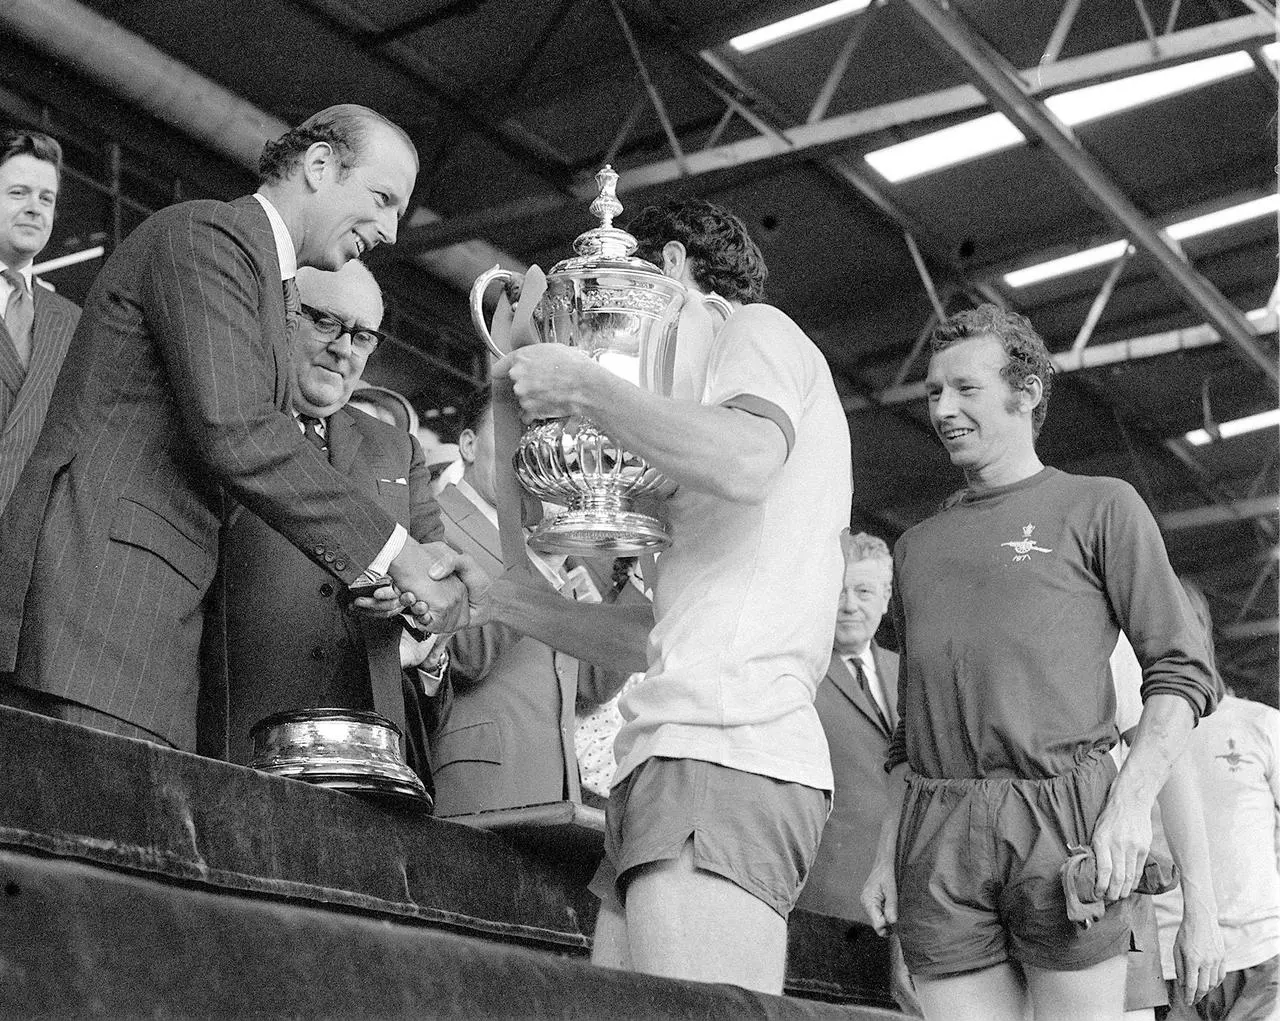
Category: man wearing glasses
<point>278,638</point>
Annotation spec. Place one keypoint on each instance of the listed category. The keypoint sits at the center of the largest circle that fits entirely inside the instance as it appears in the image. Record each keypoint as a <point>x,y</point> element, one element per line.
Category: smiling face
<point>28,195</point>
<point>325,373</point>
<point>984,424</point>
<point>863,600</point>
<point>354,210</point>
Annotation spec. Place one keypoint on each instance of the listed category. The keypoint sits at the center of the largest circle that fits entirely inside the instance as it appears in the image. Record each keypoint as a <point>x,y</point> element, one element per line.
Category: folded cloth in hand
<point>1080,875</point>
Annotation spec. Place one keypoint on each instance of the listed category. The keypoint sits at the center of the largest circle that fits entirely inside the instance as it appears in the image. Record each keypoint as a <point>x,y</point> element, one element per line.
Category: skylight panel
<point>1236,427</point>
<point>1099,254</point>
<point>798,24</point>
<point>993,132</point>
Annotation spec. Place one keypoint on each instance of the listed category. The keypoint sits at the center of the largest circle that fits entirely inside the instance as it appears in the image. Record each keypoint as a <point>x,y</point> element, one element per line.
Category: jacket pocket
<point>137,525</point>
<point>479,742</point>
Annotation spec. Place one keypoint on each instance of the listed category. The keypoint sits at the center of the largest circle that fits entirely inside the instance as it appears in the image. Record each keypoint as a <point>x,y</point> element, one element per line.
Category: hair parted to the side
<point>1024,349</point>
<point>474,407</point>
<point>36,144</point>
<point>345,127</point>
<point>722,255</point>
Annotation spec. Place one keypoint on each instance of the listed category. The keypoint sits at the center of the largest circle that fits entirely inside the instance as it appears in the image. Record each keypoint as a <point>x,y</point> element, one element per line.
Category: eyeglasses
<point>329,328</point>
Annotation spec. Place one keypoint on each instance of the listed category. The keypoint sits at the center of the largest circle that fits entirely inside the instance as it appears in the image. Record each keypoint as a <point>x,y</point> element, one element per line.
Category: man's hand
<point>880,897</point>
<point>438,585</point>
<point>1121,840</point>
<point>551,380</point>
<point>382,603</point>
<point>1199,956</point>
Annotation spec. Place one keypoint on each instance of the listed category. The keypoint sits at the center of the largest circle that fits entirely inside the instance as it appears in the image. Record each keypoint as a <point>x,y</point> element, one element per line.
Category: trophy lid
<point>606,246</point>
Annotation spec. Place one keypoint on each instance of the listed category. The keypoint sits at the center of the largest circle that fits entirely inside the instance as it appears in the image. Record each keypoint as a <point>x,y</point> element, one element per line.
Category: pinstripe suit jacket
<point>170,403</point>
<point>277,638</point>
<point>25,393</point>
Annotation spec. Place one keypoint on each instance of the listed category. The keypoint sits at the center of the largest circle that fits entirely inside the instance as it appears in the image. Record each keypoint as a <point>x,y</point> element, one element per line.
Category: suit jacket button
<point>326,589</point>
<point>328,557</point>
<point>340,564</point>
<point>317,550</point>
<point>317,653</point>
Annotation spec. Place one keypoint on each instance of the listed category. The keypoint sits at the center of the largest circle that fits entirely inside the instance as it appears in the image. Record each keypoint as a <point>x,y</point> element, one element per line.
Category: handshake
<point>442,589</point>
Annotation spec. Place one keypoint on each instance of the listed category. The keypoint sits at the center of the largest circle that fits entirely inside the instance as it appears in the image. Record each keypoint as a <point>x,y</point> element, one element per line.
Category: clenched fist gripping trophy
<point>622,311</point>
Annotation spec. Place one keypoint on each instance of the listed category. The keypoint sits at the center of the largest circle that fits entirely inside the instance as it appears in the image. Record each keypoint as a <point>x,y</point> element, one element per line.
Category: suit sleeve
<point>203,288</point>
<point>425,522</point>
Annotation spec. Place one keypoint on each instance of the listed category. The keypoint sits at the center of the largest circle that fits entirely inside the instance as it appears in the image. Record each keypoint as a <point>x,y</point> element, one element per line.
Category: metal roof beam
<point>810,139</point>
<point>1133,349</point>
<point>1218,514</point>
<point>1008,93</point>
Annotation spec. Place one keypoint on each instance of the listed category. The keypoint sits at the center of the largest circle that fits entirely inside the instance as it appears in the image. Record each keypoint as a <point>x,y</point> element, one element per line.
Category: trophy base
<point>595,533</point>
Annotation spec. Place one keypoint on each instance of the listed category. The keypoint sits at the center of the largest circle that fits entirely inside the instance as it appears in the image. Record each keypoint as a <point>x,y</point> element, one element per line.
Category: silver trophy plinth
<point>622,311</point>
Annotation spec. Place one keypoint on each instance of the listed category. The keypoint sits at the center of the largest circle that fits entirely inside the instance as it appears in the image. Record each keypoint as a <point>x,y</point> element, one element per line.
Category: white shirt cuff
<point>382,562</point>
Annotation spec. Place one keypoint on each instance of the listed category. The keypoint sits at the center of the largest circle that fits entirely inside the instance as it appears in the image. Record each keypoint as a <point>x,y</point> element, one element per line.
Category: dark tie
<point>292,303</point>
<point>311,430</point>
<point>865,684</point>
<point>18,315</point>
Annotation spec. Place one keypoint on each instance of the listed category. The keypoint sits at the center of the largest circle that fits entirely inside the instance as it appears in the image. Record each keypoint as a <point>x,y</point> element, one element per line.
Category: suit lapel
<point>12,373</point>
<point>469,520</point>
<point>273,318</point>
<point>344,440</point>
<point>888,671</point>
<point>49,341</point>
<point>848,685</point>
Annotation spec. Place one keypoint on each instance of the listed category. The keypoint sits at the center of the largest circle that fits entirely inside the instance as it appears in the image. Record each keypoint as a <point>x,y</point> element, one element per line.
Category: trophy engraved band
<point>622,311</point>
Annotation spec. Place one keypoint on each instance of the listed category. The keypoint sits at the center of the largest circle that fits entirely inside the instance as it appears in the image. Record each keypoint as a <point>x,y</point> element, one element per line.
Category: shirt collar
<point>26,275</point>
<point>284,243</point>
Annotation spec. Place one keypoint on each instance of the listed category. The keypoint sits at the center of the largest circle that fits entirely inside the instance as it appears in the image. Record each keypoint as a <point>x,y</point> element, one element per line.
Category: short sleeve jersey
<point>1010,601</point>
<point>745,598</point>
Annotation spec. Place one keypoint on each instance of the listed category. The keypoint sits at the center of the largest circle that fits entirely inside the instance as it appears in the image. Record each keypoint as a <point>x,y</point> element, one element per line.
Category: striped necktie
<point>18,315</point>
<point>292,303</point>
<point>311,430</point>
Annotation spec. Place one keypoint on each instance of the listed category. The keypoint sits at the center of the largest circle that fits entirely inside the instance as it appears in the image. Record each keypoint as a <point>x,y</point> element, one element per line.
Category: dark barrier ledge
<point>140,850</point>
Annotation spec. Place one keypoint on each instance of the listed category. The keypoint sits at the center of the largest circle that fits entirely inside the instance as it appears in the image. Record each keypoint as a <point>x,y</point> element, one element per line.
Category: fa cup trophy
<point>621,311</point>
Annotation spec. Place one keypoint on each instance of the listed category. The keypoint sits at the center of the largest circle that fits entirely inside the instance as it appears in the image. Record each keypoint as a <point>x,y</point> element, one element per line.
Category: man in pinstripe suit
<point>35,324</point>
<point>173,406</point>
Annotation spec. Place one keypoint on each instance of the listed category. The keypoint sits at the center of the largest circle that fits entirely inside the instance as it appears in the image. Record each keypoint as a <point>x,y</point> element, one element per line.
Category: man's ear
<point>467,446</point>
<point>1032,392</point>
<point>674,259</point>
<point>318,158</point>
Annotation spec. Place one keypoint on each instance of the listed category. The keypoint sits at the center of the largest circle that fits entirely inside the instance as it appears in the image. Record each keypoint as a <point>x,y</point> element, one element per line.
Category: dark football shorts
<point>760,833</point>
<point>978,872</point>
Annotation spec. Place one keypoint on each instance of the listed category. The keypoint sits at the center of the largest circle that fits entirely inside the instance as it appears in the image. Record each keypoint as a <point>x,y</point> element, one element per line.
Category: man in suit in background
<point>37,324</point>
<point>508,737</point>
<point>279,639</point>
<point>857,702</point>
<point>172,406</point>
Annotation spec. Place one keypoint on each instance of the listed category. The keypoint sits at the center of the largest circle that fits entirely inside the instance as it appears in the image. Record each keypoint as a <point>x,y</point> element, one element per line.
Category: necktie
<point>865,685</point>
<point>311,430</point>
<point>18,315</point>
<point>292,303</point>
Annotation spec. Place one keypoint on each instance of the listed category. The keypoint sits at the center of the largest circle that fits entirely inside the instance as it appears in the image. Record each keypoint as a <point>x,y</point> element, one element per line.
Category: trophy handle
<point>477,305</point>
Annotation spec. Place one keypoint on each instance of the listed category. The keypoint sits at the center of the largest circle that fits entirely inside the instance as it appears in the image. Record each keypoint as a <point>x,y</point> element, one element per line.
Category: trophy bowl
<point>348,750</point>
<point>621,311</point>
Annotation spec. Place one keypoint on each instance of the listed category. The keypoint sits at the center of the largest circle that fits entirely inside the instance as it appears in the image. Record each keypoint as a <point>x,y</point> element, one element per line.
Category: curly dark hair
<point>1025,352</point>
<point>30,143</point>
<point>345,127</point>
<point>721,253</point>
